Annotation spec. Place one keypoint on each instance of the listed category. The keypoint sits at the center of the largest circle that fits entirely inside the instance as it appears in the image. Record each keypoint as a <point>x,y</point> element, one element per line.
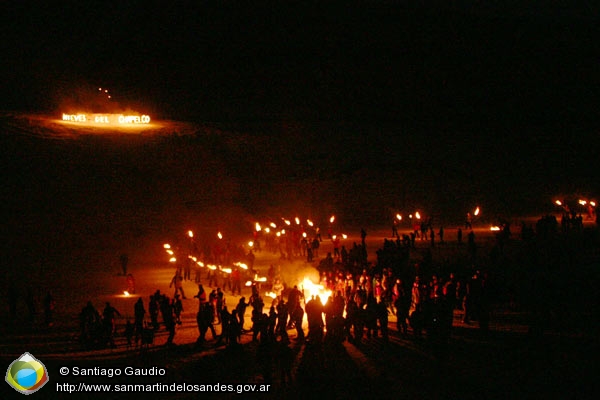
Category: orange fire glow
<point>241,265</point>
<point>311,289</point>
<point>82,118</point>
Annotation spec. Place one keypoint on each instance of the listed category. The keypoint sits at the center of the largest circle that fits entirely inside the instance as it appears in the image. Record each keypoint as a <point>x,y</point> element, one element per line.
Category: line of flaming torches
<point>213,267</point>
<point>475,214</point>
<point>306,284</point>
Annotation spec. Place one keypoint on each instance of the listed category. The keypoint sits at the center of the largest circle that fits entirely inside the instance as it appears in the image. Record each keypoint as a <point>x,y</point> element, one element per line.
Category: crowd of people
<point>364,295</point>
<point>358,309</point>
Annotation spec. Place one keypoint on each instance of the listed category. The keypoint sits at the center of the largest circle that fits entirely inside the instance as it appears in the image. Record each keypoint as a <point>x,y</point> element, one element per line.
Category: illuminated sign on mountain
<point>101,119</point>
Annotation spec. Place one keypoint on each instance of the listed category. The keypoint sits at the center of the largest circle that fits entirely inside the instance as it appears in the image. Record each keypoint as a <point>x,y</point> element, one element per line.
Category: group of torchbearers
<point>350,309</point>
<point>345,315</point>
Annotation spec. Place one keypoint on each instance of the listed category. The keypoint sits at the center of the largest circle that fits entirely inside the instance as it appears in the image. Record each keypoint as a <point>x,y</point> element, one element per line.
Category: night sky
<point>490,97</point>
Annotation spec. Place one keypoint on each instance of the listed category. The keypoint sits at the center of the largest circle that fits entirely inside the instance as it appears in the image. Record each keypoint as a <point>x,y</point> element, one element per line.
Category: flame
<point>226,270</point>
<point>344,236</point>
<point>476,213</point>
<point>495,228</point>
<point>309,222</point>
<point>191,234</point>
<point>241,265</point>
<point>582,202</point>
<point>287,221</point>
<point>273,225</point>
<point>268,230</point>
<point>250,243</point>
<point>399,217</point>
<point>332,219</point>
<point>200,263</point>
<point>219,235</point>
<point>558,203</point>
<point>257,227</point>
<point>166,246</point>
<point>105,119</point>
<point>248,283</point>
<point>312,289</point>
<point>172,259</point>
<point>126,293</point>
<point>304,234</point>
<point>593,203</point>
<point>211,266</point>
<point>271,295</point>
<point>417,215</point>
<point>170,252</point>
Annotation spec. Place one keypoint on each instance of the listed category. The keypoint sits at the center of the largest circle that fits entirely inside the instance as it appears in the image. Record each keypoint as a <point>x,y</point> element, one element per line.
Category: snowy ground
<point>505,362</point>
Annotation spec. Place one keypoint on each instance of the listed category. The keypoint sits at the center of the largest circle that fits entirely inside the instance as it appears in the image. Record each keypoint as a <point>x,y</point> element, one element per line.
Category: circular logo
<point>26,374</point>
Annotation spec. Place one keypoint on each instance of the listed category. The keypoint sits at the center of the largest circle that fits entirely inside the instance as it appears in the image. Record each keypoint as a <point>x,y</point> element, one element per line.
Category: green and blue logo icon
<point>26,374</point>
